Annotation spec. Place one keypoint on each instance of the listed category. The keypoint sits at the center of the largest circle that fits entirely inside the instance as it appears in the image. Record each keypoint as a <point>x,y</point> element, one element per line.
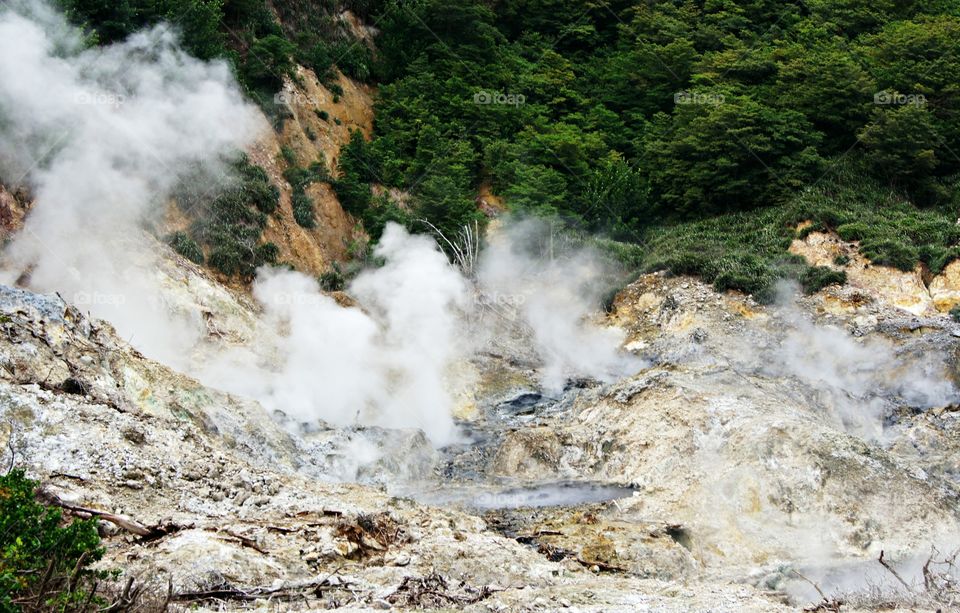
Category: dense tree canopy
<point>618,116</point>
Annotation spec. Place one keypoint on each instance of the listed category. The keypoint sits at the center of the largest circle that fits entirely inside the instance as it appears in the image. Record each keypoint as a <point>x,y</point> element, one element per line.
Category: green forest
<point>691,136</point>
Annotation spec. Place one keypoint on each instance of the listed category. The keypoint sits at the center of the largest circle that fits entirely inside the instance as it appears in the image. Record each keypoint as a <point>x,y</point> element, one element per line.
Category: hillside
<point>488,305</point>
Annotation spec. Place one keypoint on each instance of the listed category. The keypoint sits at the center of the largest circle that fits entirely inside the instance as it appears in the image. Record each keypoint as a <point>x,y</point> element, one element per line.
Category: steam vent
<point>479,306</point>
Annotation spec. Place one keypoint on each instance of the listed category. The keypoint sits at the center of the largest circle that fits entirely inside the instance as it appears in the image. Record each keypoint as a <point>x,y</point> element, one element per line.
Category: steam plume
<point>555,292</point>
<point>102,135</point>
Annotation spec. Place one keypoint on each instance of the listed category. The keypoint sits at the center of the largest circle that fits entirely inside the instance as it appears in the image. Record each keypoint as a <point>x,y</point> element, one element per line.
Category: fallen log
<point>146,533</point>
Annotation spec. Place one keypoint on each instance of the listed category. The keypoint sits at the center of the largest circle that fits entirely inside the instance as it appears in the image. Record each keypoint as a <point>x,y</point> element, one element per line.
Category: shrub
<point>332,280</point>
<point>890,252</point>
<point>289,155</point>
<point>354,60</point>
<point>303,211</point>
<point>44,565</point>
<point>229,228</point>
<point>697,168</point>
<point>186,246</point>
<point>815,278</point>
<point>268,60</point>
<point>300,179</point>
<point>955,313</point>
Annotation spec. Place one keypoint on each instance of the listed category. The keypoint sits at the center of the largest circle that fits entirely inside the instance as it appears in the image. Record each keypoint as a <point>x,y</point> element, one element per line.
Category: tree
<point>728,152</point>
<point>901,146</point>
<point>268,60</point>
<point>41,561</point>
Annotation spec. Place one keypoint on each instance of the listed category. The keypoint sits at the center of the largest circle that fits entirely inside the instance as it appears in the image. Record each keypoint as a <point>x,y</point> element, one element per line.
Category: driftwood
<point>290,592</point>
<point>433,591</point>
<point>893,572</point>
<point>246,541</point>
<point>826,604</point>
<point>146,533</point>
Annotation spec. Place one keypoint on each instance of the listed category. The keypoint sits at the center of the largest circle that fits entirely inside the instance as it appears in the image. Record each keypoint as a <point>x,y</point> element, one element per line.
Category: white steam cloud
<point>860,381</point>
<point>102,136</point>
<point>392,361</point>
<point>387,365</point>
<point>555,294</point>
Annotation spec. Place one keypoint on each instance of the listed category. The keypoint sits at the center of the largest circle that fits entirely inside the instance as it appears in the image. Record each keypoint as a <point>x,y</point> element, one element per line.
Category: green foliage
<point>734,153</point>
<point>636,114</point>
<point>815,278</point>
<point>747,250</point>
<point>229,227</point>
<point>268,61</point>
<point>186,246</point>
<point>303,211</point>
<point>44,564</point>
<point>889,228</point>
<point>300,179</point>
<point>902,143</point>
<point>197,20</point>
<point>332,280</point>
<point>382,211</point>
<point>955,313</point>
<point>620,117</point>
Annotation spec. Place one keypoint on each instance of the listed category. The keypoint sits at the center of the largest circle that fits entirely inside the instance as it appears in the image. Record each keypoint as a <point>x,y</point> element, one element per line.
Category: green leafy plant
<point>45,563</point>
<point>186,246</point>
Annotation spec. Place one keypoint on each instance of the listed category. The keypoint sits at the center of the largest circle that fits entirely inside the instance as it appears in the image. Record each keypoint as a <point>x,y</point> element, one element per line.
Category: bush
<point>268,60</point>
<point>955,313</point>
<point>332,280</point>
<point>354,60</point>
<point>815,278</point>
<point>303,211</point>
<point>44,564</point>
<point>697,169</point>
<point>300,178</point>
<point>186,246</point>
<point>229,228</point>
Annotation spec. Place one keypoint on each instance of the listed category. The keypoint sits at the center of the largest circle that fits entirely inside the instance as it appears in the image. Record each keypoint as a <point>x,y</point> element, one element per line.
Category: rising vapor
<point>102,136</point>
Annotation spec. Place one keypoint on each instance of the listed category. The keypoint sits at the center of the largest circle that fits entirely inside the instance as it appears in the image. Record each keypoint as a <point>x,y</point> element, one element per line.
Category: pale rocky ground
<point>746,463</point>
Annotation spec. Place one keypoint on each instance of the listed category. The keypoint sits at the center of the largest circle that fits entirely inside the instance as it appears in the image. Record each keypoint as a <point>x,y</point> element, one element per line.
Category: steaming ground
<point>102,136</point>
<point>392,361</point>
<point>791,439</point>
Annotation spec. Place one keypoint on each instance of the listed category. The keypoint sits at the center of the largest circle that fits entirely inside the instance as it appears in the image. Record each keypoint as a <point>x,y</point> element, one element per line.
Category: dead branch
<point>465,248</point>
<point>893,572</point>
<point>246,541</point>
<point>433,591</point>
<point>147,533</point>
<point>228,592</point>
<point>825,604</point>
